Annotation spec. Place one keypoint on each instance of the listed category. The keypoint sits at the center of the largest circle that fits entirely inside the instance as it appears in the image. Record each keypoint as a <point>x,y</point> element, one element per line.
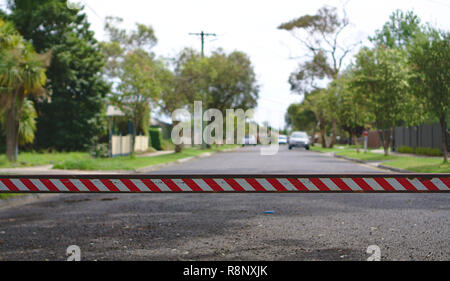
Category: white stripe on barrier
<point>267,186</point>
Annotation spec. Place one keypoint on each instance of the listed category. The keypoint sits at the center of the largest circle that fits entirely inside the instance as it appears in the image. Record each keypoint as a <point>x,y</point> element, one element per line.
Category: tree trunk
<point>313,137</point>
<point>133,136</point>
<point>179,147</point>
<point>12,134</point>
<point>323,138</point>
<point>355,140</point>
<point>12,117</point>
<point>333,132</point>
<point>385,141</point>
<point>444,138</point>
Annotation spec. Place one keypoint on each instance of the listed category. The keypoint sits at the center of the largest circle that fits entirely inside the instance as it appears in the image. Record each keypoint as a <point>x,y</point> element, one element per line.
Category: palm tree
<point>22,73</point>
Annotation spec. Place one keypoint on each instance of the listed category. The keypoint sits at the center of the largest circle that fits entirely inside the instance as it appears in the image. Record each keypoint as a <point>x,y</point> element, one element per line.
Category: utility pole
<point>202,37</point>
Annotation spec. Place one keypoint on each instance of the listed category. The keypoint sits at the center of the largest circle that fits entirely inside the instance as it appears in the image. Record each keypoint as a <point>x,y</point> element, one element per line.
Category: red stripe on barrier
<point>341,184</point>
<point>89,185</point>
<point>298,184</point>
<point>130,185</point>
<point>153,187</point>
<point>50,185</point>
<point>406,184</point>
<point>384,184</point>
<point>29,185</point>
<point>192,185</point>
<point>236,186</point>
<point>319,184</point>
<point>255,184</point>
<point>69,185</point>
<point>9,184</point>
<point>109,185</point>
<point>428,184</point>
<point>213,184</point>
<point>278,186</point>
<point>363,184</point>
<point>170,184</point>
<point>446,181</point>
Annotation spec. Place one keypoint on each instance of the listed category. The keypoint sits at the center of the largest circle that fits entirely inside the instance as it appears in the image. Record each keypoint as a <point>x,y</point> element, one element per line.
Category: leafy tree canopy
<point>74,78</point>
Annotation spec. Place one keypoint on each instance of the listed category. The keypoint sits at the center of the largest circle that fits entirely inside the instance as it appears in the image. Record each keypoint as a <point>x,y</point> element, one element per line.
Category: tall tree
<point>382,74</point>
<point>22,73</point>
<point>133,69</point>
<point>321,35</point>
<point>298,117</point>
<point>400,31</point>
<point>350,107</point>
<point>231,81</point>
<point>320,102</point>
<point>221,81</point>
<point>70,119</point>
<point>430,80</point>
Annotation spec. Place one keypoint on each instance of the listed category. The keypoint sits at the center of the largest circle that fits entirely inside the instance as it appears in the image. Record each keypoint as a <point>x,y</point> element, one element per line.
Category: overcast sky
<point>251,26</point>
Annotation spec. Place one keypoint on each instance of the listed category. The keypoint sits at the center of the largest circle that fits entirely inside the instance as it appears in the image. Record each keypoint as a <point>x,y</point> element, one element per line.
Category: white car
<point>249,140</point>
<point>299,139</point>
<point>282,139</point>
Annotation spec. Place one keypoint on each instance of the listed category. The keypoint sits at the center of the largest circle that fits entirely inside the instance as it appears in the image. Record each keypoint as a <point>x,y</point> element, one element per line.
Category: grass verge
<point>30,159</point>
<point>413,164</point>
<point>132,163</point>
<point>420,164</point>
<point>8,195</point>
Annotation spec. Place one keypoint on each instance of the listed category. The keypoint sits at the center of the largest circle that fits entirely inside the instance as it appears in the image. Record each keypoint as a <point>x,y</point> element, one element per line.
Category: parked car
<point>282,139</point>
<point>249,140</point>
<point>299,139</point>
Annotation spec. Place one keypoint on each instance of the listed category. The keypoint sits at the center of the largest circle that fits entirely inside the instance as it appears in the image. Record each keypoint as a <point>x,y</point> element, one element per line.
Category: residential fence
<point>121,145</point>
<point>141,143</point>
<point>426,135</point>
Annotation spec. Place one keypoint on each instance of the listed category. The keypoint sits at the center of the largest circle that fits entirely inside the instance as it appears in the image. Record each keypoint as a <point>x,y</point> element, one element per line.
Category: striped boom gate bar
<point>350,183</point>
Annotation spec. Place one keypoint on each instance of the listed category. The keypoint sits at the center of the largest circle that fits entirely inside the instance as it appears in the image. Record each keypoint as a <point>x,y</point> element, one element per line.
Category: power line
<point>202,37</point>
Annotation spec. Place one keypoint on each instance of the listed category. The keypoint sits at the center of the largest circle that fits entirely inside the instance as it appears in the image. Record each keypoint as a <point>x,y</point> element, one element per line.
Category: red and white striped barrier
<point>225,183</point>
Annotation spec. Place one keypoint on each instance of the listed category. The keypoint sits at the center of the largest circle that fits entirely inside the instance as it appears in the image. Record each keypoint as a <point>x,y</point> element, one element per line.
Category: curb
<point>349,159</point>
<point>394,169</point>
<point>180,161</point>
<point>391,169</point>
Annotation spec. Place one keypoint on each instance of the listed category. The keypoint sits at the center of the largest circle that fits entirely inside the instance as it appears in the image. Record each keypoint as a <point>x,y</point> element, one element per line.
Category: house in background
<point>165,127</point>
<point>120,145</point>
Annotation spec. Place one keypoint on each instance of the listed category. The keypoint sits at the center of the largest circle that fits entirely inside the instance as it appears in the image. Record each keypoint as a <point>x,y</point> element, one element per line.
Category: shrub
<point>168,145</point>
<point>405,149</point>
<point>428,151</point>
<point>156,138</point>
<point>100,150</point>
<point>420,151</point>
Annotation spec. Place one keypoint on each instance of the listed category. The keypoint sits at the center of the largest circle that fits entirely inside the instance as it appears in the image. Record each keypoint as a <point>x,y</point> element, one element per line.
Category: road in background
<point>233,226</point>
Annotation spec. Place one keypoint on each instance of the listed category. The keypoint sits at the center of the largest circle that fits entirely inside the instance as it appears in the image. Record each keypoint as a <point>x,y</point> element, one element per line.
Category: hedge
<point>420,151</point>
<point>156,138</point>
<point>405,149</point>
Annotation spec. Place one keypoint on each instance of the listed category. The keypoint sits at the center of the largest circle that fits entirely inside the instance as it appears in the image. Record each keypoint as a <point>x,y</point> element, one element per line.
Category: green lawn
<point>28,159</point>
<point>420,165</point>
<point>7,195</point>
<point>132,162</point>
<point>350,151</point>
<point>369,156</point>
<point>413,164</point>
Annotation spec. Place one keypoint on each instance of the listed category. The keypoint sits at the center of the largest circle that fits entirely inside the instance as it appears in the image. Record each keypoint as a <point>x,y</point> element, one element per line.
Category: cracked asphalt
<point>232,226</point>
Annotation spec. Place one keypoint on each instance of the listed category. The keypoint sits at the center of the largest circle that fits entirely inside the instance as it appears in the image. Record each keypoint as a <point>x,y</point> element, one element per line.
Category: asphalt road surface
<point>232,226</point>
